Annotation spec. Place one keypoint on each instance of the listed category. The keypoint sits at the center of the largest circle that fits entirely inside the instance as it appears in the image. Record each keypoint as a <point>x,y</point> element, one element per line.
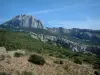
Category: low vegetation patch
<point>17,54</point>
<point>18,40</point>
<point>3,73</point>
<point>27,73</point>
<point>36,59</point>
<point>2,57</point>
<point>96,65</point>
<point>77,61</point>
<point>97,72</point>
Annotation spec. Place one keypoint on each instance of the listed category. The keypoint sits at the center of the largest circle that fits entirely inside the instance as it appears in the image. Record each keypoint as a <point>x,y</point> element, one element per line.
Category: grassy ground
<point>18,65</point>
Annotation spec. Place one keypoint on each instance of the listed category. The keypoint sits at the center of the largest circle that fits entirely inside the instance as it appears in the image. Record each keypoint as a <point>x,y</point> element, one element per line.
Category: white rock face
<point>25,21</point>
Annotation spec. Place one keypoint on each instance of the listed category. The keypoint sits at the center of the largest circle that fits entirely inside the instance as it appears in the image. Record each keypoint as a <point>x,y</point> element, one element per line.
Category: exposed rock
<point>24,21</point>
<point>2,50</point>
<point>76,47</point>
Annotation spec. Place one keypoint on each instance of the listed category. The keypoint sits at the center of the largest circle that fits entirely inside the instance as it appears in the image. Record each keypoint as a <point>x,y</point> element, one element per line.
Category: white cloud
<point>63,7</point>
<point>52,10</point>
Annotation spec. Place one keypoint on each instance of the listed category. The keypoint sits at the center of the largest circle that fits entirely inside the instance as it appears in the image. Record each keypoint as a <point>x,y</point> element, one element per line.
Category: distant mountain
<point>24,21</point>
<point>83,36</point>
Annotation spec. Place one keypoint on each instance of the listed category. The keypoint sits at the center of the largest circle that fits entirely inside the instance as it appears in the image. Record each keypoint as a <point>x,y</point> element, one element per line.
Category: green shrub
<point>17,54</point>
<point>96,65</point>
<point>77,61</point>
<point>36,59</point>
<point>50,54</point>
<point>2,57</point>
<point>87,60</point>
<point>97,72</point>
<point>27,73</point>
<point>3,73</point>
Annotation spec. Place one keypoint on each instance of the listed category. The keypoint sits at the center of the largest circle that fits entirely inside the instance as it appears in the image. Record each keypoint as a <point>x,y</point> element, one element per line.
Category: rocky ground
<point>16,65</point>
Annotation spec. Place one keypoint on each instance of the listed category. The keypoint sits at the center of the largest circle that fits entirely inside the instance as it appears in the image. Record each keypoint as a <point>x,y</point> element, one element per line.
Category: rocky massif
<point>78,40</point>
<point>24,21</point>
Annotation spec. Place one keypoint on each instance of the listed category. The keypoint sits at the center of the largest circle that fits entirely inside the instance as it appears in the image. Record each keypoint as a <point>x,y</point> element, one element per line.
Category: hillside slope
<point>23,40</point>
<point>17,65</point>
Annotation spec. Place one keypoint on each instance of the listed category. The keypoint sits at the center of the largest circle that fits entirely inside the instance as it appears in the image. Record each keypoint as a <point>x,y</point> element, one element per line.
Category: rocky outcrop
<point>24,21</point>
<point>76,47</point>
<point>57,40</point>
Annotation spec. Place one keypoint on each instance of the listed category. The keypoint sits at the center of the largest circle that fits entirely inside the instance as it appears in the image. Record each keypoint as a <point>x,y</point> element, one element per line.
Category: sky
<point>84,14</point>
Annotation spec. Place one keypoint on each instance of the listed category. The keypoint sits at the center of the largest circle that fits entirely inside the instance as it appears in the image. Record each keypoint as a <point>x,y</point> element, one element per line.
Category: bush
<point>97,72</point>
<point>17,54</point>
<point>27,73</point>
<point>96,65</point>
<point>36,59</point>
<point>50,54</point>
<point>77,61</point>
<point>58,62</point>
<point>3,73</point>
<point>2,57</point>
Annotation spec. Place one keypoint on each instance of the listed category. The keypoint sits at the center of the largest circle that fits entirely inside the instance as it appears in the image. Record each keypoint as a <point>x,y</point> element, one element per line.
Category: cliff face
<point>24,21</point>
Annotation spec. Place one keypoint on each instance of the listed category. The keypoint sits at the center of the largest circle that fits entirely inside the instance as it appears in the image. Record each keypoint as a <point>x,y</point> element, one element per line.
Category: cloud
<point>84,24</point>
<point>63,7</point>
<point>52,10</point>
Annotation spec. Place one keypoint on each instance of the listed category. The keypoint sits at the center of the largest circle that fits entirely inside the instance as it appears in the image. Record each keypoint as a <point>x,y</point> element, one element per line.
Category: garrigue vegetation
<point>26,73</point>
<point>36,59</point>
<point>18,54</point>
<point>22,40</point>
<point>3,73</point>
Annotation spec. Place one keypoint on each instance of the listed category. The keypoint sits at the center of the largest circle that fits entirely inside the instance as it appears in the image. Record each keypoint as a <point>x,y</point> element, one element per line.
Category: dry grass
<point>15,66</point>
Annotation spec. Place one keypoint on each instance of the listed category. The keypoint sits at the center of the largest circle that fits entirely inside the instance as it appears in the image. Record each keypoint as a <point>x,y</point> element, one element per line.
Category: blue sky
<point>55,13</point>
